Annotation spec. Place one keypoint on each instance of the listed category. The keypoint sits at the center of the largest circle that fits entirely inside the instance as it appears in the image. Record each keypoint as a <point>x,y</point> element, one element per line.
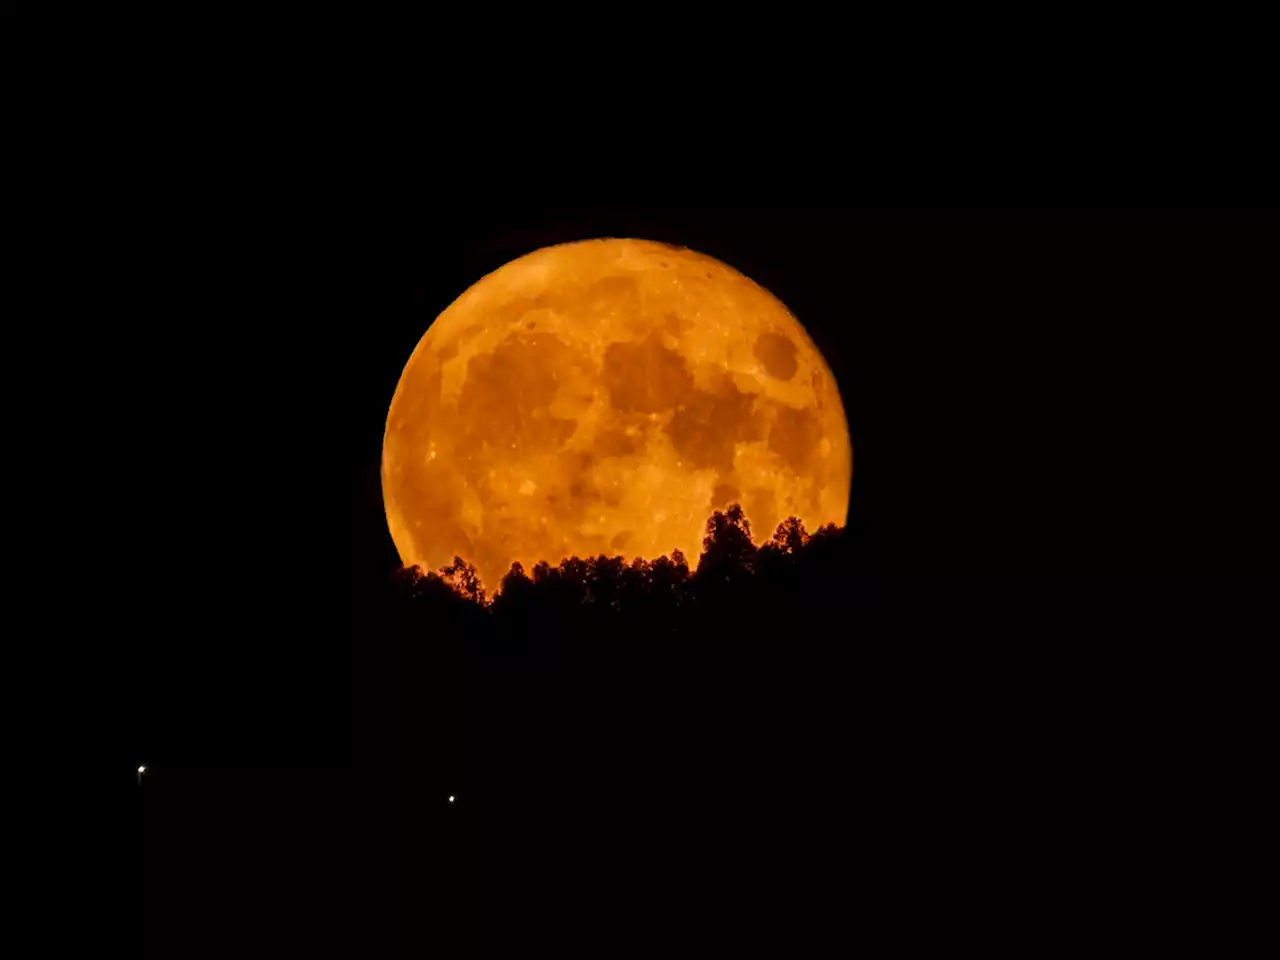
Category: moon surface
<point>604,397</point>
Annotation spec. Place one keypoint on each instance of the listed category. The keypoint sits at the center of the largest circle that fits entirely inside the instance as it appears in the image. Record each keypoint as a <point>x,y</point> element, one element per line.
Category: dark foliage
<point>730,564</point>
<point>604,607</point>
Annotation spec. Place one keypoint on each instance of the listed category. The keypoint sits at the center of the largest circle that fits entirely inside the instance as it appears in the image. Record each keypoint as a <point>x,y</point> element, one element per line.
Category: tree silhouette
<point>604,581</point>
<point>636,585</point>
<point>678,560</point>
<point>669,580</point>
<point>415,584</point>
<point>574,570</point>
<point>462,577</point>
<point>790,537</point>
<point>516,595</point>
<point>827,557</point>
<point>728,555</point>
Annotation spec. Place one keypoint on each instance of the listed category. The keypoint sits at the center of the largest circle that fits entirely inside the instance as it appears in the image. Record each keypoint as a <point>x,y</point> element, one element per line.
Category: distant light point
<point>451,799</point>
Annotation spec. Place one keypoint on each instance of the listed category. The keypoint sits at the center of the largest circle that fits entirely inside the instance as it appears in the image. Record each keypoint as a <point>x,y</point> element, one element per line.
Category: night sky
<point>1066,394</point>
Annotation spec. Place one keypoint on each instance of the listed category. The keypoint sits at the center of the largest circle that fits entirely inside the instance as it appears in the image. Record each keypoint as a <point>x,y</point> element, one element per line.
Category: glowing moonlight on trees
<point>606,397</point>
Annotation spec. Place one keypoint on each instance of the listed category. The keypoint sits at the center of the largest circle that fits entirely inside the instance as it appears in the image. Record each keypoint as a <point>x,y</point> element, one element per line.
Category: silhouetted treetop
<point>790,537</point>
<point>728,555</point>
<point>517,589</point>
<point>462,577</point>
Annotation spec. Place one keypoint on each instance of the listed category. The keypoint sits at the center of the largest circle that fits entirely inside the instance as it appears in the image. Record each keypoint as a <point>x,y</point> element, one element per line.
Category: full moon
<point>605,397</point>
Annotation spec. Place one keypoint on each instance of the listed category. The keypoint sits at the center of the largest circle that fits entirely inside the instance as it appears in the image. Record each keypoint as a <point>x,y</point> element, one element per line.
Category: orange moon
<point>605,397</point>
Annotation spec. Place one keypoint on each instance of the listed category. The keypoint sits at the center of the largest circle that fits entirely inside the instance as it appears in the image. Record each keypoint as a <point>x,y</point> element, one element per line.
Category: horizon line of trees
<point>730,560</point>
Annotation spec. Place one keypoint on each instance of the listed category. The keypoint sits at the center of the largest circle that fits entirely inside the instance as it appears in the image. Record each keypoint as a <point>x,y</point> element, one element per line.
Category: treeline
<point>733,580</point>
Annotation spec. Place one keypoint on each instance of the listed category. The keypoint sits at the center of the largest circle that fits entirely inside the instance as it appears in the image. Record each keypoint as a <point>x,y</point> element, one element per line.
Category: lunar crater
<point>778,354</point>
<point>645,377</point>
